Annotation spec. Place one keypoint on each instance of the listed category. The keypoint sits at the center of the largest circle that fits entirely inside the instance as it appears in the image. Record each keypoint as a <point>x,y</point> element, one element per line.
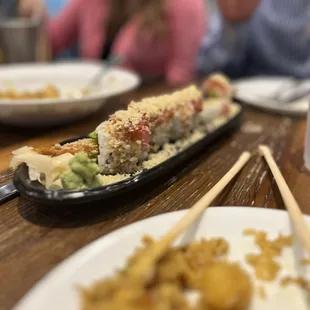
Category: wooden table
<point>34,238</point>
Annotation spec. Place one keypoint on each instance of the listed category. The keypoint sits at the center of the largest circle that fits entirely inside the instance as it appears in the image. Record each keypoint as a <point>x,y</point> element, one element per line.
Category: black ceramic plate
<point>36,192</point>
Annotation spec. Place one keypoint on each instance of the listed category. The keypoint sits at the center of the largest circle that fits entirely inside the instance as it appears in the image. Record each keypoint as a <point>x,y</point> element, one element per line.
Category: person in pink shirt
<point>155,37</point>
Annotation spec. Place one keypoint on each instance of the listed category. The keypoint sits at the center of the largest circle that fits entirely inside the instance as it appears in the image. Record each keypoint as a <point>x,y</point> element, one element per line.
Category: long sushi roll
<point>170,117</point>
<point>123,145</point>
<point>126,139</point>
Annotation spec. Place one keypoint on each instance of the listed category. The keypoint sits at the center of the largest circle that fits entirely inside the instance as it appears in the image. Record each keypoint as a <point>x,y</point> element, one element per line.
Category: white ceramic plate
<point>251,90</point>
<point>67,77</point>
<point>99,259</point>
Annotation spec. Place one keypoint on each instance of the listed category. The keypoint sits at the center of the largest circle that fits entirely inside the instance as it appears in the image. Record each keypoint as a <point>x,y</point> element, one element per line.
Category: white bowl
<point>67,77</point>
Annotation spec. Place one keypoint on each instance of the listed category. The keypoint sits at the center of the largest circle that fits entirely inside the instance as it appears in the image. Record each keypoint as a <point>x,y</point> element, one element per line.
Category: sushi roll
<point>217,85</point>
<point>170,117</point>
<point>123,142</point>
<point>214,109</point>
<point>127,138</point>
<point>186,109</point>
<point>158,118</point>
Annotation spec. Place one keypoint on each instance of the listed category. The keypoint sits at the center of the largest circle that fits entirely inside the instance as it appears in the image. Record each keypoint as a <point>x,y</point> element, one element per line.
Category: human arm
<point>237,10</point>
<point>63,29</point>
<point>186,22</point>
<point>223,46</point>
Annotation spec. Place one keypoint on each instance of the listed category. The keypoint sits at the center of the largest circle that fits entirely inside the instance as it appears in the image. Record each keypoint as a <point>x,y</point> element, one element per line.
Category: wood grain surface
<point>34,238</point>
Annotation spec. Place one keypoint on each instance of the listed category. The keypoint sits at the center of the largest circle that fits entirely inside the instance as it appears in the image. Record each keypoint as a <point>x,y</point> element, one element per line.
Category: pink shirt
<point>174,56</point>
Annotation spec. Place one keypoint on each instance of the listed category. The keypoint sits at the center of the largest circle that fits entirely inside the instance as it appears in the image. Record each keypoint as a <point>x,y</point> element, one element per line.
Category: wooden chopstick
<point>144,265</point>
<point>291,205</point>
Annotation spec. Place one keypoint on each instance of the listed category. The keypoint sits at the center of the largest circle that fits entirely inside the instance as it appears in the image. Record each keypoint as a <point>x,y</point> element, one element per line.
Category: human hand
<point>30,8</point>
<point>237,10</point>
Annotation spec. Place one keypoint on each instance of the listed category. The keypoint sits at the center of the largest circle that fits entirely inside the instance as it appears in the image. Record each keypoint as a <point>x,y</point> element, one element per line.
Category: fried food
<point>226,286</point>
<point>265,266</point>
<point>197,267</point>
<point>49,92</point>
<point>89,146</point>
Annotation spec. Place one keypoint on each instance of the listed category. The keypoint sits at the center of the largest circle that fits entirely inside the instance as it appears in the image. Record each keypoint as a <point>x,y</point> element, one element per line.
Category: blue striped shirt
<point>275,41</point>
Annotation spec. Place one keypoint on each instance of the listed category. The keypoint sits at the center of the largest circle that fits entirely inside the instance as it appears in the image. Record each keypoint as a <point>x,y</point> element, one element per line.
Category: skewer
<point>290,203</point>
<point>144,265</point>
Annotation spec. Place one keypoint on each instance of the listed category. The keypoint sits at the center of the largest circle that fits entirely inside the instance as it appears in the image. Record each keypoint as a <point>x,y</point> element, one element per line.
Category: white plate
<point>67,77</point>
<point>249,90</point>
<point>99,259</point>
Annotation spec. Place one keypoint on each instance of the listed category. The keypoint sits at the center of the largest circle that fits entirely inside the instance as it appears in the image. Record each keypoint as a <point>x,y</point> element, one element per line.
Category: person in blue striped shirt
<point>258,37</point>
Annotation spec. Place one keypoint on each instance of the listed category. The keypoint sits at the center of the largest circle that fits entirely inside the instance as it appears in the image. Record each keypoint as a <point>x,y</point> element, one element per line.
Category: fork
<point>276,95</point>
<point>288,94</point>
<point>95,80</point>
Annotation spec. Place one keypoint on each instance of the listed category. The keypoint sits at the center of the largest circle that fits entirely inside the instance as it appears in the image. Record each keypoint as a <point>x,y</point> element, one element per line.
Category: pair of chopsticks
<point>291,204</point>
<point>144,266</point>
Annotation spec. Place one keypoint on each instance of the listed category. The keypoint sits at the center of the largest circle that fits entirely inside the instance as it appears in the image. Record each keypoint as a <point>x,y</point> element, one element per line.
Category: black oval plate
<point>37,192</point>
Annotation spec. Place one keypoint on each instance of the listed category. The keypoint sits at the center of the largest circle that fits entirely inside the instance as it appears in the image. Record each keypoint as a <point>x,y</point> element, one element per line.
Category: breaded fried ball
<point>225,286</point>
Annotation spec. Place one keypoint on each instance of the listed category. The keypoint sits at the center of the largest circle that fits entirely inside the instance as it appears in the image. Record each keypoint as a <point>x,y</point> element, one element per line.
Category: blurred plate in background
<point>67,77</point>
<point>255,92</point>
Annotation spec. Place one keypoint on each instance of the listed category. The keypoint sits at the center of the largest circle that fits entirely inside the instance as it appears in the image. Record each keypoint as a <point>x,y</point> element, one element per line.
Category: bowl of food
<point>43,94</point>
<point>233,258</point>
